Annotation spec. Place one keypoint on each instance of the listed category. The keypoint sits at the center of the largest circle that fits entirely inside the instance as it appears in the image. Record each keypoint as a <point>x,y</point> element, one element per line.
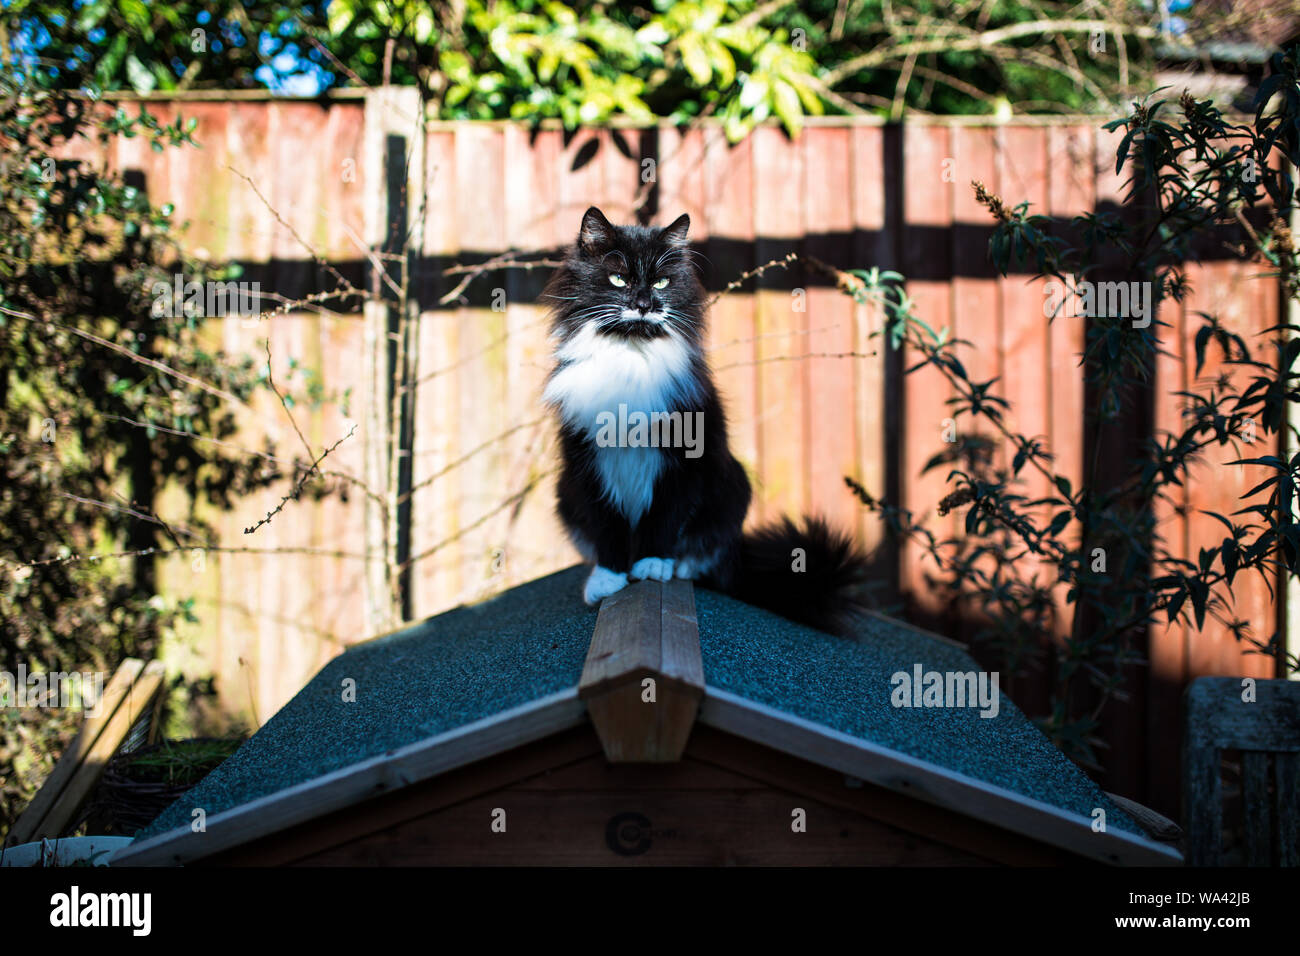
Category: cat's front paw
<point>652,569</point>
<point>601,583</point>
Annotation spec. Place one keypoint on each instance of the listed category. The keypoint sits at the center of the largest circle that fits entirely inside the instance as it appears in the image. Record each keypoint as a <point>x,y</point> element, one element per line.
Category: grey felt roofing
<point>529,642</point>
<point>448,671</point>
<point>845,685</point>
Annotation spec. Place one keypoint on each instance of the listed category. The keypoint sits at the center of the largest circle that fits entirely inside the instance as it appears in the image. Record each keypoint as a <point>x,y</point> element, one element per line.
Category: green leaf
<point>785,102</point>
<point>142,81</point>
<point>695,59</point>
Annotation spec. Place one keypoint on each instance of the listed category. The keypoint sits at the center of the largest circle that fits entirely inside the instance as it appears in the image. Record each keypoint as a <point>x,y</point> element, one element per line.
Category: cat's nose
<point>643,301</point>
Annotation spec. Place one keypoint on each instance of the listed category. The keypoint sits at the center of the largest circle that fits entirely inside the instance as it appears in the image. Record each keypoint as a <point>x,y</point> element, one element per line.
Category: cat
<point>628,315</point>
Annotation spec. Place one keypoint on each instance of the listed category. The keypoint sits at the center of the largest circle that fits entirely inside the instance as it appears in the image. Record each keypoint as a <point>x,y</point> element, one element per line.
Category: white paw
<point>654,569</point>
<point>601,583</point>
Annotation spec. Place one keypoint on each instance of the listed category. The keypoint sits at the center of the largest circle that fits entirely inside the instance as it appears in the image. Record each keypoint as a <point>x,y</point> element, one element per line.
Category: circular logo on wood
<point>628,834</point>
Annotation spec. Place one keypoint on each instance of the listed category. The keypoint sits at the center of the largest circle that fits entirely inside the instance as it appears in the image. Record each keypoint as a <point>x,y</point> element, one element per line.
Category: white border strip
<point>925,781</point>
<point>369,778</point>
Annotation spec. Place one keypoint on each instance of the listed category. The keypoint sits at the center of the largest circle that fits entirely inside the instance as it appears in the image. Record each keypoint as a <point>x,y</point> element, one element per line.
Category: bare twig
<point>887,52</point>
<point>126,510</point>
<point>338,63</point>
<point>516,499</point>
<point>795,358</point>
<point>251,452</point>
<point>270,381</point>
<point>784,262</point>
<point>297,488</point>
<point>466,457</point>
<point>92,558</point>
<point>506,260</point>
<point>141,359</point>
<point>319,259</point>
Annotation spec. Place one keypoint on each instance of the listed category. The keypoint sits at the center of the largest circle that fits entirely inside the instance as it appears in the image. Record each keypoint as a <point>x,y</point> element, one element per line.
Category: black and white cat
<point>628,322</point>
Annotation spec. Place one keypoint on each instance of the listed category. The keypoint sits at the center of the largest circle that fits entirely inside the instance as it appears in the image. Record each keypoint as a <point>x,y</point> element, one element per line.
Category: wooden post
<point>394,163</point>
<point>644,677</point>
<point>1261,720</point>
<point>131,693</point>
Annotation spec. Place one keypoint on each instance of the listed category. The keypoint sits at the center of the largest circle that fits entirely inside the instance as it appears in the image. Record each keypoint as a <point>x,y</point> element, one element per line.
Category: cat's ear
<point>596,232</point>
<point>675,232</point>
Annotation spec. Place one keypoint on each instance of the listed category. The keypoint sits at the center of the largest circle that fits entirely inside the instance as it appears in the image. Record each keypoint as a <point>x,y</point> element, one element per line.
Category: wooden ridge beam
<point>644,676</point>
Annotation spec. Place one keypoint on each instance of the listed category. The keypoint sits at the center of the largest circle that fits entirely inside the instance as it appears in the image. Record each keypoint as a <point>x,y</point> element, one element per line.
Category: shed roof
<point>448,672</point>
<point>480,679</point>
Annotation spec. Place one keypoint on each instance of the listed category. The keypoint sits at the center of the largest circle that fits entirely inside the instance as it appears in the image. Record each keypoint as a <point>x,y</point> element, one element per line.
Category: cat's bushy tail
<point>806,573</point>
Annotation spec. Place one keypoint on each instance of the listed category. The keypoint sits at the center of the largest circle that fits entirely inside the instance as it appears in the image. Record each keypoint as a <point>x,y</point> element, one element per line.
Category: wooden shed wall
<point>727,802</point>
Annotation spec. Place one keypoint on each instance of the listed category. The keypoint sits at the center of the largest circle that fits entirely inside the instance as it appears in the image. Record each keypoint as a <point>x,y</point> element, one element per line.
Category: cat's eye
<point>662,283</point>
<point>617,280</point>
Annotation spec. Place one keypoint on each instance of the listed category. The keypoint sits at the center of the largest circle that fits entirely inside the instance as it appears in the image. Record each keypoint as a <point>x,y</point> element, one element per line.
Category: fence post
<point>394,160</point>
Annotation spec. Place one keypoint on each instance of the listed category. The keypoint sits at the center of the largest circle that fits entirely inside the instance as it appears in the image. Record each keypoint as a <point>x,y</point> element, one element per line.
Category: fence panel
<point>811,396</point>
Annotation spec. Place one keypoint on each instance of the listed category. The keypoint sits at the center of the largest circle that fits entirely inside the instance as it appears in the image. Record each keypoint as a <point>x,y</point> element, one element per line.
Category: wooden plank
<point>741,827</point>
<point>789,772</point>
<point>744,825</point>
<point>597,773</point>
<point>728,178</point>
<point>435,514</point>
<point>1218,716</point>
<point>337,595</point>
<point>139,700</point>
<point>1168,642</point>
<point>1071,192</point>
<point>871,246</point>
<point>978,310</point>
<point>1286,807</point>
<point>481,370</point>
<point>535,541</point>
<point>684,187</point>
<point>680,656</point>
<point>206,208</point>
<point>521,766</point>
<point>626,640</point>
<point>387,109</point>
<point>1202,804</point>
<point>1226,290</point>
<point>1255,803</point>
<point>978,316</point>
<point>830,342</point>
<point>1221,715</point>
<point>782,331</point>
<point>1022,176</point>
<point>924,781</point>
<point>637,638</point>
<point>926,264</point>
<point>1025,358</point>
<point>29,823</point>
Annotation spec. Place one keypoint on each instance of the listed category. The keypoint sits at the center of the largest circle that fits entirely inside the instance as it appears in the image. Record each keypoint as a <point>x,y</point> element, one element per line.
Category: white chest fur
<point>597,375</point>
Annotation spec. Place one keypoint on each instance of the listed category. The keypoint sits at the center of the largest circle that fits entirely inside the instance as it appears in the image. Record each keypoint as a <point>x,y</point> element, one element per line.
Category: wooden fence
<point>811,397</point>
